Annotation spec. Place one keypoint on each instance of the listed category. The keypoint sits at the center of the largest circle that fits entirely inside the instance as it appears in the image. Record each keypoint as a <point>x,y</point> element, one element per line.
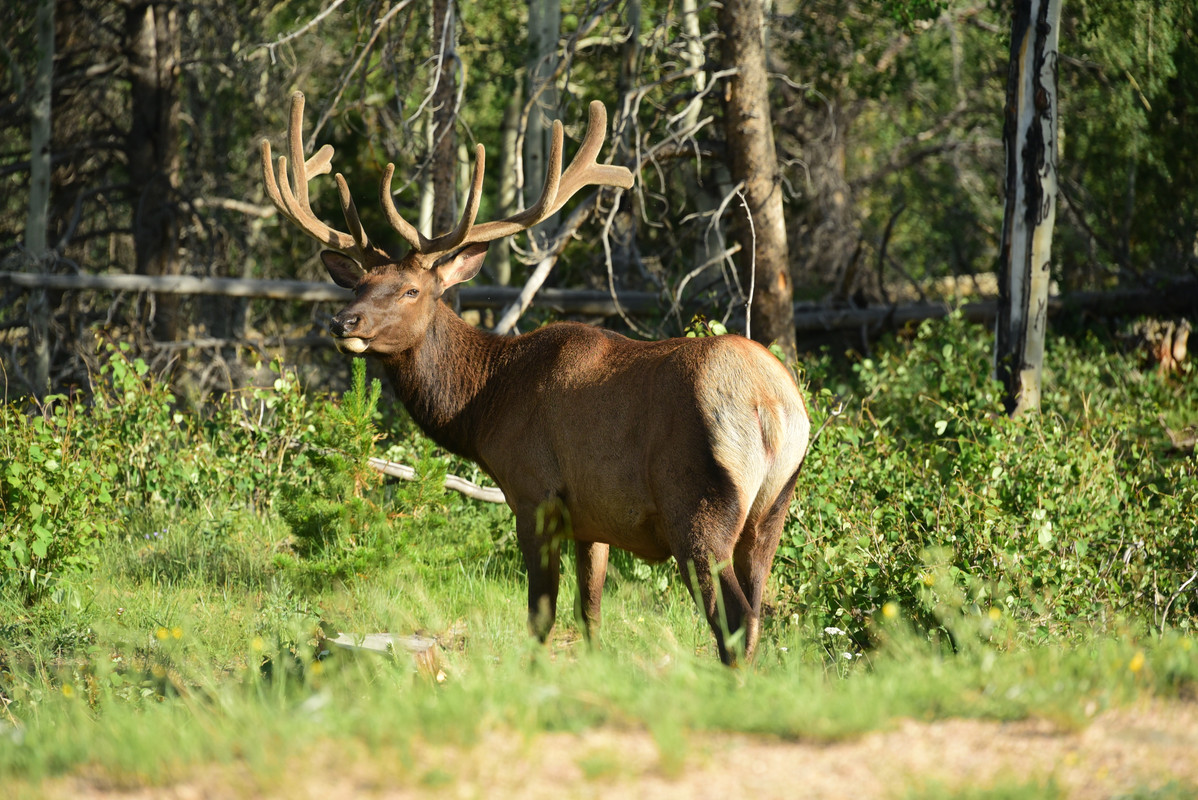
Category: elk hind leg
<point>754,554</point>
<point>716,590</point>
<point>702,531</point>
<point>591,564</point>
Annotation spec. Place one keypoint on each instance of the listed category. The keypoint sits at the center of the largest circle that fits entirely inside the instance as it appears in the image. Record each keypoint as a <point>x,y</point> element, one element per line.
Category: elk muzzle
<point>344,326</point>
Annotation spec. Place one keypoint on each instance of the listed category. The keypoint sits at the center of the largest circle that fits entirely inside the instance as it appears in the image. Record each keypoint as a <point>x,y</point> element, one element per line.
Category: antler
<point>293,203</point>
<point>558,189</point>
<point>583,171</point>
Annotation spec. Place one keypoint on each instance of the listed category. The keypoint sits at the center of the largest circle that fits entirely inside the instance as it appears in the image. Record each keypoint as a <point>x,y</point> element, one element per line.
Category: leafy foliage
<point>56,493</point>
<point>930,498</point>
<point>1127,96</point>
<point>338,529</point>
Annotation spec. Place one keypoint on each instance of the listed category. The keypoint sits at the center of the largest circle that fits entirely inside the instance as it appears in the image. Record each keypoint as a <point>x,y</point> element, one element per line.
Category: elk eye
<point>411,293</point>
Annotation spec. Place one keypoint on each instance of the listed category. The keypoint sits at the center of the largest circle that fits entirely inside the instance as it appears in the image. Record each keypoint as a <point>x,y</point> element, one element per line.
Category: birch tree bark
<point>624,257</point>
<point>36,248</point>
<point>1030,139</point>
<point>499,254</point>
<point>758,224</point>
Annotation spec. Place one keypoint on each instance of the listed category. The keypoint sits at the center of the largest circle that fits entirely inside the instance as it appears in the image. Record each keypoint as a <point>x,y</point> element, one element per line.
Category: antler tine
<point>559,188</point>
<point>404,228</point>
<point>351,214</point>
<point>553,178</point>
<point>294,203</point>
<point>584,170</point>
<point>458,235</point>
<point>448,241</point>
<point>538,212</point>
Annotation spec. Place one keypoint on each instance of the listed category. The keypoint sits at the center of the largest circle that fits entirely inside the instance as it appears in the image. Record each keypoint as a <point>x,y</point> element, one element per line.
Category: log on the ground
<point>421,649</point>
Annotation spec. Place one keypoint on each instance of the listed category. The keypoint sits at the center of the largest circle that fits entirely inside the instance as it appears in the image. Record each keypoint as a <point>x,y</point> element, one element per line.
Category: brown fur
<point>685,447</point>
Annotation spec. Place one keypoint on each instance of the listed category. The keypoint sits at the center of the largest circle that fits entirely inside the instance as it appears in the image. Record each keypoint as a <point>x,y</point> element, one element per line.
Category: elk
<point>687,447</point>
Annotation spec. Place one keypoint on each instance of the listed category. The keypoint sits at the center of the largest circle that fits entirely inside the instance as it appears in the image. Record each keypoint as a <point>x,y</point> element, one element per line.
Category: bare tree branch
<point>487,494</point>
<point>270,47</point>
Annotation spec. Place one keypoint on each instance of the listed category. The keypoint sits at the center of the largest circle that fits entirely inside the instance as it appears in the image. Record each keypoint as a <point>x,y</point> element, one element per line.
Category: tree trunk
<point>499,254</point>
<point>544,31</point>
<point>36,247</point>
<point>624,256</point>
<point>153,46</point>
<point>444,153</point>
<point>445,113</point>
<point>1030,139</point>
<point>707,182</point>
<point>695,57</point>
<point>761,228</point>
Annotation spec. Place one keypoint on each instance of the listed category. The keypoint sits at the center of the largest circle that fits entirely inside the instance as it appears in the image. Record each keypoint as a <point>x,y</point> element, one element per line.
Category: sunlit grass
<point>172,678</point>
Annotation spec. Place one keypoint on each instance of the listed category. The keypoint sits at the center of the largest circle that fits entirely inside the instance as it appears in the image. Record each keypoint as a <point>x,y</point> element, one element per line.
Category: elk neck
<point>442,380</point>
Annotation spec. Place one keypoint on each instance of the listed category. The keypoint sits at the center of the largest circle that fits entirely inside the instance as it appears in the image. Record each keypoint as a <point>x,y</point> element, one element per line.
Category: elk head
<point>396,295</point>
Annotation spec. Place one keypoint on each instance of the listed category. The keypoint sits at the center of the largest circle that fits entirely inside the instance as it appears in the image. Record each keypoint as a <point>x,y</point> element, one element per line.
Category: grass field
<point>962,607</point>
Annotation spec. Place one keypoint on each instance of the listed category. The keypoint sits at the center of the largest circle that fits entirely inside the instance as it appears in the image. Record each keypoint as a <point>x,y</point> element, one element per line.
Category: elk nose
<point>344,324</point>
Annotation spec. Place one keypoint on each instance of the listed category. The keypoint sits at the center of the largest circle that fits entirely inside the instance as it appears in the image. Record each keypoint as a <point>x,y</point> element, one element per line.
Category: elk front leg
<point>591,558</point>
<point>539,533</point>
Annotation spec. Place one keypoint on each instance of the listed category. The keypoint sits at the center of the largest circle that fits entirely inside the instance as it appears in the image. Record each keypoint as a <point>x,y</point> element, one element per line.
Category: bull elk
<point>687,447</point>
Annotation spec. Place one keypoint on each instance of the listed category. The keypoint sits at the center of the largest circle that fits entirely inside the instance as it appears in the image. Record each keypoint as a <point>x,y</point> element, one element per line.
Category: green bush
<point>924,495</point>
<point>138,414</point>
<point>74,471</point>
<point>56,493</point>
<point>338,527</point>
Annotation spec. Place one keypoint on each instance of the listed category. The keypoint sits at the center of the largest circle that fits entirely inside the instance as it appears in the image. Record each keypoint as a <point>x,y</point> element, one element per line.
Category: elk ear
<point>464,265</point>
<point>343,269</point>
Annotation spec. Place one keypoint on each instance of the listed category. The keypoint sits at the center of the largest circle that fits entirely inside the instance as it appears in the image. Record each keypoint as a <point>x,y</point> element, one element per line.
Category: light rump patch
<point>760,451</point>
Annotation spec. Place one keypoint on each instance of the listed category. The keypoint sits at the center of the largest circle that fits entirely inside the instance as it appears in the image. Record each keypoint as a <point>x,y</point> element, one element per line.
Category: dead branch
<point>511,315</point>
<point>487,494</point>
<point>298,32</point>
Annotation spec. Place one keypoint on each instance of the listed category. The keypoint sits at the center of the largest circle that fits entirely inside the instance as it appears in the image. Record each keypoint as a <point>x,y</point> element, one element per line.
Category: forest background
<point>887,124</point>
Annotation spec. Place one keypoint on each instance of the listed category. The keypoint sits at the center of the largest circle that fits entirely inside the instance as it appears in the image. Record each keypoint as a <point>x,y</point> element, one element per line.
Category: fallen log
<point>488,494</point>
<point>1178,296</point>
<point>1173,297</point>
<point>593,302</point>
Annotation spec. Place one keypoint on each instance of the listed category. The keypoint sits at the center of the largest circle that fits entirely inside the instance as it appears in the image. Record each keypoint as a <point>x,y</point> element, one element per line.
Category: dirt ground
<point>1136,751</point>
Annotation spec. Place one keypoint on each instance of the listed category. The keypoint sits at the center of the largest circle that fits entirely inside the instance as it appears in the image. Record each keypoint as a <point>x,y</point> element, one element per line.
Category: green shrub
<point>137,413</point>
<point>926,496</point>
<point>56,493</point>
<point>338,528</point>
